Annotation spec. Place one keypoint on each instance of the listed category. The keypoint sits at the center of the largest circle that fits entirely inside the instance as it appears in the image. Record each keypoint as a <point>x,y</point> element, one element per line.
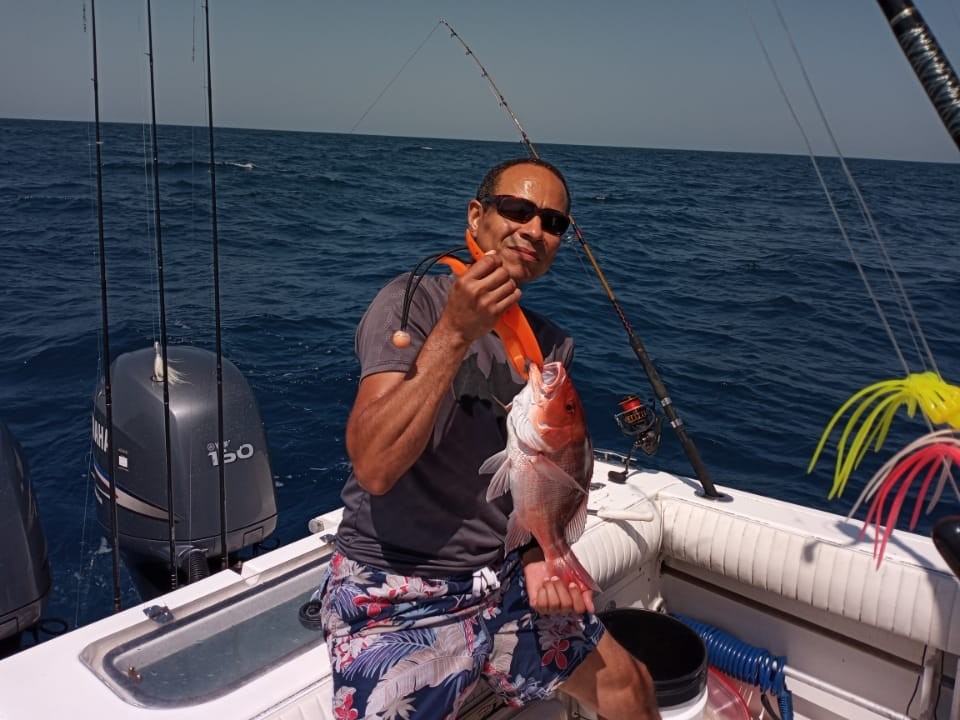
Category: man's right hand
<point>479,297</point>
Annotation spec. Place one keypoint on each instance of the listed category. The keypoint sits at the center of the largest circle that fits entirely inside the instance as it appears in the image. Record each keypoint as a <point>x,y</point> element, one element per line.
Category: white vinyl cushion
<point>826,570</point>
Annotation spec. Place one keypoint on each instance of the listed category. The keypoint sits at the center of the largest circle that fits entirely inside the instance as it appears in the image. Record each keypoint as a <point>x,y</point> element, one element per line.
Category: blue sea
<point>729,267</point>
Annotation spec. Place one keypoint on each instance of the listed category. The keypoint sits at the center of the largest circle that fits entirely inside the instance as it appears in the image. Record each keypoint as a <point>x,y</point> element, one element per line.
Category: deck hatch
<point>213,647</point>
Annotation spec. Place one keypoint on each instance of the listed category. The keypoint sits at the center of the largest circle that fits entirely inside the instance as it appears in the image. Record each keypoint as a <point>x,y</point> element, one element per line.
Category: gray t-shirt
<point>436,521</point>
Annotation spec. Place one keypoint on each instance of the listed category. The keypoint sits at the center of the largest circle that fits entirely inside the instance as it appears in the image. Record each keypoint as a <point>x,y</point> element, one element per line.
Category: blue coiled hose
<point>745,662</point>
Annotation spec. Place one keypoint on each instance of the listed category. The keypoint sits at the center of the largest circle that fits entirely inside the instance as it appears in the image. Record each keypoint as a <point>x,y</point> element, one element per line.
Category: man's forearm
<point>387,435</point>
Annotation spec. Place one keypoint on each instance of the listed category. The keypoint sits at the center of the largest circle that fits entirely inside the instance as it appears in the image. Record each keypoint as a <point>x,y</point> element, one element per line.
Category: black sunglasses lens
<point>553,222</point>
<point>516,209</point>
<point>522,210</point>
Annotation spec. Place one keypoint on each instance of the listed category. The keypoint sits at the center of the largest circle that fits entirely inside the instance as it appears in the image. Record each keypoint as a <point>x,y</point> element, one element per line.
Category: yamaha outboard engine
<point>139,446</point>
<point>24,568</point>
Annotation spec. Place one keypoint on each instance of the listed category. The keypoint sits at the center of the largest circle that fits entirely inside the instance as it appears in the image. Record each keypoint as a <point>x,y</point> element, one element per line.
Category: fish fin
<point>552,472</point>
<point>493,463</point>
<point>499,465</point>
<point>568,568</point>
<point>577,524</point>
<point>516,535</point>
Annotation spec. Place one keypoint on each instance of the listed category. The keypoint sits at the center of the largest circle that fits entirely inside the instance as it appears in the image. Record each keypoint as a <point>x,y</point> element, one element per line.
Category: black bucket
<point>673,652</point>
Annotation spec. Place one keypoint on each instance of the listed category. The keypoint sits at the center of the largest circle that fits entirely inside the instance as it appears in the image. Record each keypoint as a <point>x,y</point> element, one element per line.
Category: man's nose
<point>533,228</point>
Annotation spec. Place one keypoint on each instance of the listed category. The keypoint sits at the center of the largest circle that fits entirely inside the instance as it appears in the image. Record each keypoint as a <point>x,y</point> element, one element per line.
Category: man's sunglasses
<point>521,210</point>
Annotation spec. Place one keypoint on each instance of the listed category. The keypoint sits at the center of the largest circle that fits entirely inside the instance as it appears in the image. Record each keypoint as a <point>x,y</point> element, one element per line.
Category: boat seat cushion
<point>612,549</point>
<point>805,555</point>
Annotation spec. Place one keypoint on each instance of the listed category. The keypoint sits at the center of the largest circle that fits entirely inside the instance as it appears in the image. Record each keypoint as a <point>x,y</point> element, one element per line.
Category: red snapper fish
<point>546,466</point>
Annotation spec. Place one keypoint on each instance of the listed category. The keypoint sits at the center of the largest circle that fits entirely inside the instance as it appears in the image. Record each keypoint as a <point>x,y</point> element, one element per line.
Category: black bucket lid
<point>674,654</point>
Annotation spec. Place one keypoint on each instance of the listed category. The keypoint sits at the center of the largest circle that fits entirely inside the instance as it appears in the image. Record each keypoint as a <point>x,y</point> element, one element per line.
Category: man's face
<point>525,249</point>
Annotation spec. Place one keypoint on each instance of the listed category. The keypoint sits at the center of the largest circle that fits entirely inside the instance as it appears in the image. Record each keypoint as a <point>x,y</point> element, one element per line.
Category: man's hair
<point>492,177</point>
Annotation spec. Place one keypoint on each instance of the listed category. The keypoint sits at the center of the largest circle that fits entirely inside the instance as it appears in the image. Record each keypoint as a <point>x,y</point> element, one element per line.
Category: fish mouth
<point>549,374</point>
<point>549,378</point>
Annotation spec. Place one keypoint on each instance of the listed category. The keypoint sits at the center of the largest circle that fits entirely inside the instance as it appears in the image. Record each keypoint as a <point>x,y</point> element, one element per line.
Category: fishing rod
<point>163,313</point>
<point>659,388</point>
<point>928,61</point>
<point>105,325</point>
<point>216,302</point>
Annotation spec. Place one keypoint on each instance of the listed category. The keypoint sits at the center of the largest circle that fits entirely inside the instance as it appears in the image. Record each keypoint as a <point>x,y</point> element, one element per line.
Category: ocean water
<point>729,267</point>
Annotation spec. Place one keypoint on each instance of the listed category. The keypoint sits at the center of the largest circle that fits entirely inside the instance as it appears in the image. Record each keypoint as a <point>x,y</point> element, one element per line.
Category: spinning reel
<point>642,423</point>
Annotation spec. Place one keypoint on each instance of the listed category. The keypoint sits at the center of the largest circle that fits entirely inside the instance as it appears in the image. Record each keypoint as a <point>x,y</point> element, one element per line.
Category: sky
<point>687,74</point>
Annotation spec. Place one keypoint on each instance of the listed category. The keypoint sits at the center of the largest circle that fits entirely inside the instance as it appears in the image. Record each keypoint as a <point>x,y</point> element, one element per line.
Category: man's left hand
<point>548,594</point>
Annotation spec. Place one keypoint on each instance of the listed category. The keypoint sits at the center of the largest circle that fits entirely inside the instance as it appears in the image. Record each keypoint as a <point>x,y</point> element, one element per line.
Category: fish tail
<point>569,569</point>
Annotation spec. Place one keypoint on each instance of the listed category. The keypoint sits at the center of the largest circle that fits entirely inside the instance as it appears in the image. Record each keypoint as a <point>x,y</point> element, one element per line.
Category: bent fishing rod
<point>659,388</point>
<point>105,326</point>
<point>928,61</point>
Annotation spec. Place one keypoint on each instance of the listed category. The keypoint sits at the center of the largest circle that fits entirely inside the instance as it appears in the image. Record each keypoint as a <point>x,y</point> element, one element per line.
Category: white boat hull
<point>793,580</point>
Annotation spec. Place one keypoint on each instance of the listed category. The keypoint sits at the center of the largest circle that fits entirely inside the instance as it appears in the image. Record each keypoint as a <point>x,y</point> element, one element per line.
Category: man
<point>419,601</point>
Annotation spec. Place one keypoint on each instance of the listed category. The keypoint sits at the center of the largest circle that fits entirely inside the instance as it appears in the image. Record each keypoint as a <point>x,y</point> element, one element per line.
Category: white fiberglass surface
<point>204,652</point>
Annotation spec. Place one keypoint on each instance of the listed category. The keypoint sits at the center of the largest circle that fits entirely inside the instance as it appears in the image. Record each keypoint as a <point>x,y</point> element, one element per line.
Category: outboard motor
<point>24,567</point>
<point>140,462</point>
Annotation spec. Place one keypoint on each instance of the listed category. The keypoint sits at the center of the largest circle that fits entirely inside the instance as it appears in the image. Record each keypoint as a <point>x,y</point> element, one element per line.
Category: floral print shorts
<point>409,647</point>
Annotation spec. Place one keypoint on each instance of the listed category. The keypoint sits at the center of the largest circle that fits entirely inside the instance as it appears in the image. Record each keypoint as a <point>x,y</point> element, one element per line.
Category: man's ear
<point>474,213</point>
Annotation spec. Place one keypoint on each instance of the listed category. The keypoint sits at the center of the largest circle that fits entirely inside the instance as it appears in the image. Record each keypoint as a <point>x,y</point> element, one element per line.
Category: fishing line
<point>163,316</point>
<point>149,231</point>
<point>147,210</point>
<point>82,578</point>
<point>826,191</point>
<point>900,290</point>
<point>875,232</point>
<point>913,389</point>
<point>193,34</point>
<point>393,79</point>
<point>659,388</point>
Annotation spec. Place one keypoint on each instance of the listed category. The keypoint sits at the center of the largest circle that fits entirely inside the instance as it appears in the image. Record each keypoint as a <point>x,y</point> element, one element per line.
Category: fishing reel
<point>642,423</point>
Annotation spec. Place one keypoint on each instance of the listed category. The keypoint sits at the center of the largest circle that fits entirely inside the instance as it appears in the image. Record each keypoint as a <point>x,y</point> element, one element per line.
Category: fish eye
<point>570,407</point>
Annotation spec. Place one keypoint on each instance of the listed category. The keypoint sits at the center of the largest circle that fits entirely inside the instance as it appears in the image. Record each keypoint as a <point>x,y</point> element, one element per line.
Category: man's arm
<point>393,414</point>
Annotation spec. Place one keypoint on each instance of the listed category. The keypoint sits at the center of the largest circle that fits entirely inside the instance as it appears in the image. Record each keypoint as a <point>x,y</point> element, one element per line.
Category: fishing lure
<point>937,399</point>
<point>935,451</point>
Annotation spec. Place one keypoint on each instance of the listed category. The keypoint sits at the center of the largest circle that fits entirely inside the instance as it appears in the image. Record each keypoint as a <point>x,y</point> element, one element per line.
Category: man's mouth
<point>524,253</point>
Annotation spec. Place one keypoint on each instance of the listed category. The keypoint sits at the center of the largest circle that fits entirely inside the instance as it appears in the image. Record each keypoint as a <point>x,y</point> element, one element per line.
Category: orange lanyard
<point>512,326</point>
